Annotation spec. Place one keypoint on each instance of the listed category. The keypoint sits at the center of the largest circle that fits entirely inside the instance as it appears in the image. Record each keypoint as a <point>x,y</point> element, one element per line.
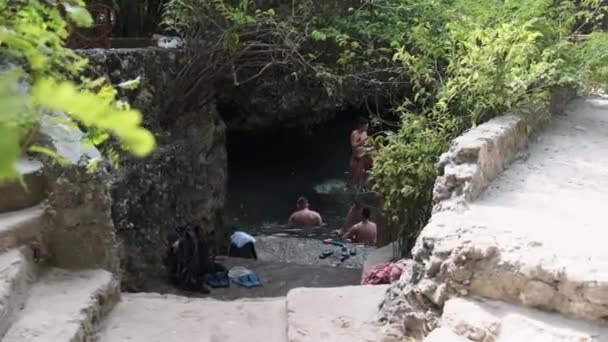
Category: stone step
<point>341,314</point>
<point>543,258</point>
<point>17,273</point>
<point>65,306</point>
<point>474,319</point>
<point>15,196</point>
<point>151,317</point>
<point>21,227</point>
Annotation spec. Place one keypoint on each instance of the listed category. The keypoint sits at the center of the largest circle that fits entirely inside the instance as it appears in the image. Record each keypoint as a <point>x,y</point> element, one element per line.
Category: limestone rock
<point>65,306</point>
<point>492,321</point>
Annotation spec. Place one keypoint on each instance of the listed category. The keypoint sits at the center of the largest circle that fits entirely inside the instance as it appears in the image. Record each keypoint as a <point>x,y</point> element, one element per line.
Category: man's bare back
<point>304,216</point>
<point>365,231</point>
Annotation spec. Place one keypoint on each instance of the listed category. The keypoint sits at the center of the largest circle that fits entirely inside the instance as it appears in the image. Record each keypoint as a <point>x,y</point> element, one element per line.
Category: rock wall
<point>447,259</point>
<point>476,158</point>
<point>276,99</point>
<point>183,181</point>
<point>81,234</point>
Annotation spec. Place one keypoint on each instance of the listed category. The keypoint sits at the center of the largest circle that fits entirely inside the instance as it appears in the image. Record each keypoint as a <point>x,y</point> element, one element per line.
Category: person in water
<point>364,231</point>
<point>304,216</point>
<point>360,161</point>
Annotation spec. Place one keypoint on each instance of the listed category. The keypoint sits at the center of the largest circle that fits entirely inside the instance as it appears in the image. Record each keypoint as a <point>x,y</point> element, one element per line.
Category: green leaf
<point>50,153</point>
<point>79,15</point>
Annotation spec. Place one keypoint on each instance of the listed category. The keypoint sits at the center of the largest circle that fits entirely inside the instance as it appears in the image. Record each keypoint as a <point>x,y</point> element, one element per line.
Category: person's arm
<point>290,220</point>
<point>351,232</point>
<point>354,140</point>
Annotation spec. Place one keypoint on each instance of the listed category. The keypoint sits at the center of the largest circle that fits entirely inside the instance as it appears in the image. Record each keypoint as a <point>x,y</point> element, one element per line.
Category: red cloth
<point>386,273</point>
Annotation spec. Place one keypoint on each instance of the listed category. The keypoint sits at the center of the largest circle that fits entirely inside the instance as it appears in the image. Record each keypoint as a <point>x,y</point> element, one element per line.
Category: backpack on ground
<point>188,258</point>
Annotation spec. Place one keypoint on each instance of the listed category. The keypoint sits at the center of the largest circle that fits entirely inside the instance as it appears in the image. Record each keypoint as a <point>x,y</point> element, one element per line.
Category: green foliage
<point>593,56</point>
<point>32,36</point>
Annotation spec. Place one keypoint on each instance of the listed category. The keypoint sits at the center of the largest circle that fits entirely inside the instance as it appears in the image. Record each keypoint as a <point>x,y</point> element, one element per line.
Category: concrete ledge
<point>476,158</point>
<point>150,317</point>
<point>485,320</point>
<point>17,273</point>
<point>15,196</point>
<point>65,306</point>
<point>22,227</point>
<point>343,314</point>
<point>479,155</point>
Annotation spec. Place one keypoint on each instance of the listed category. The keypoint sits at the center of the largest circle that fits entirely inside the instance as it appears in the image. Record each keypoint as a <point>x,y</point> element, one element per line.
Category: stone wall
<point>81,234</point>
<point>476,158</point>
<point>445,257</point>
<point>277,99</point>
<point>183,181</point>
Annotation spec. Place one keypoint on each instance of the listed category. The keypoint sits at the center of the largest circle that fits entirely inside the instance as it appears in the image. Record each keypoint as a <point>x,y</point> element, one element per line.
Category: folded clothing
<point>240,239</point>
<point>244,277</point>
<point>217,280</point>
<point>388,272</point>
<point>248,280</point>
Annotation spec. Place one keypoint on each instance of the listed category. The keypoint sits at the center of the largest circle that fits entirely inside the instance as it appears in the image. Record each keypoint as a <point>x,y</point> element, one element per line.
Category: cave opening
<point>269,169</point>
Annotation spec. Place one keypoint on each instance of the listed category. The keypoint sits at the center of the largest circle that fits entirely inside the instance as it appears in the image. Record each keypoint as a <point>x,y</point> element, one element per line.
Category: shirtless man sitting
<point>304,216</point>
<point>353,216</point>
<point>364,231</point>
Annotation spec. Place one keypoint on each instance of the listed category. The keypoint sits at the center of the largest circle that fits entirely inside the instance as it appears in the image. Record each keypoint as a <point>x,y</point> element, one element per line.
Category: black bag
<point>188,258</point>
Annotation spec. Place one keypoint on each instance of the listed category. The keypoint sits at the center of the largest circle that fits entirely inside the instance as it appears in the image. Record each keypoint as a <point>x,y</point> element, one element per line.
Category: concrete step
<point>151,317</point>
<point>542,258</point>
<point>21,227</point>
<point>473,319</point>
<point>65,306</point>
<point>17,273</point>
<point>341,314</point>
<point>15,196</point>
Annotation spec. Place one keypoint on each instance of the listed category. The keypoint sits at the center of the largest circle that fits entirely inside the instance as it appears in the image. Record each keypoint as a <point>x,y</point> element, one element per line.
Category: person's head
<point>366,214</point>
<point>302,203</point>
<point>363,124</point>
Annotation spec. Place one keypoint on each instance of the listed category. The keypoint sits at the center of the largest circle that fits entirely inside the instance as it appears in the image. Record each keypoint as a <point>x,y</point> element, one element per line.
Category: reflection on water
<point>267,173</point>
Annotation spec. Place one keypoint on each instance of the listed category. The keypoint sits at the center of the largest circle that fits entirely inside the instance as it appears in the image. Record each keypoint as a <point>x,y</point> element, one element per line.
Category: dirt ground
<point>277,279</point>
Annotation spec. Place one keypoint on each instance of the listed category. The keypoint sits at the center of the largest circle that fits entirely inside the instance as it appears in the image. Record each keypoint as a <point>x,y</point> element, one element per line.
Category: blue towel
<point>248,280</point>
<point>217,280</point>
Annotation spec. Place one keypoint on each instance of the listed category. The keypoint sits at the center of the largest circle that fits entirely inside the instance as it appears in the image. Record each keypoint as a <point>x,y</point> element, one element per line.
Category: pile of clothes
<point>388,272</point>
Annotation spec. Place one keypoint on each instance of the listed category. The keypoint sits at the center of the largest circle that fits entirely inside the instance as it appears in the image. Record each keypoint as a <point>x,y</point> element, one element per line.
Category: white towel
<point>240,239</point>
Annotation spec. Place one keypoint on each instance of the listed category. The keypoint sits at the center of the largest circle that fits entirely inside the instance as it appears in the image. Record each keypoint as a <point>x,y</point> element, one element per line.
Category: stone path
<point>321,314</point>
<point>148,317</point>
<point>533,242</point>
<point>539,226</point>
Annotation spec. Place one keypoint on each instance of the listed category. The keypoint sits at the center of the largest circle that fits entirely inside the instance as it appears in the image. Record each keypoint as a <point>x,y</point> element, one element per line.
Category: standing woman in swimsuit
<point>357,161</point>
